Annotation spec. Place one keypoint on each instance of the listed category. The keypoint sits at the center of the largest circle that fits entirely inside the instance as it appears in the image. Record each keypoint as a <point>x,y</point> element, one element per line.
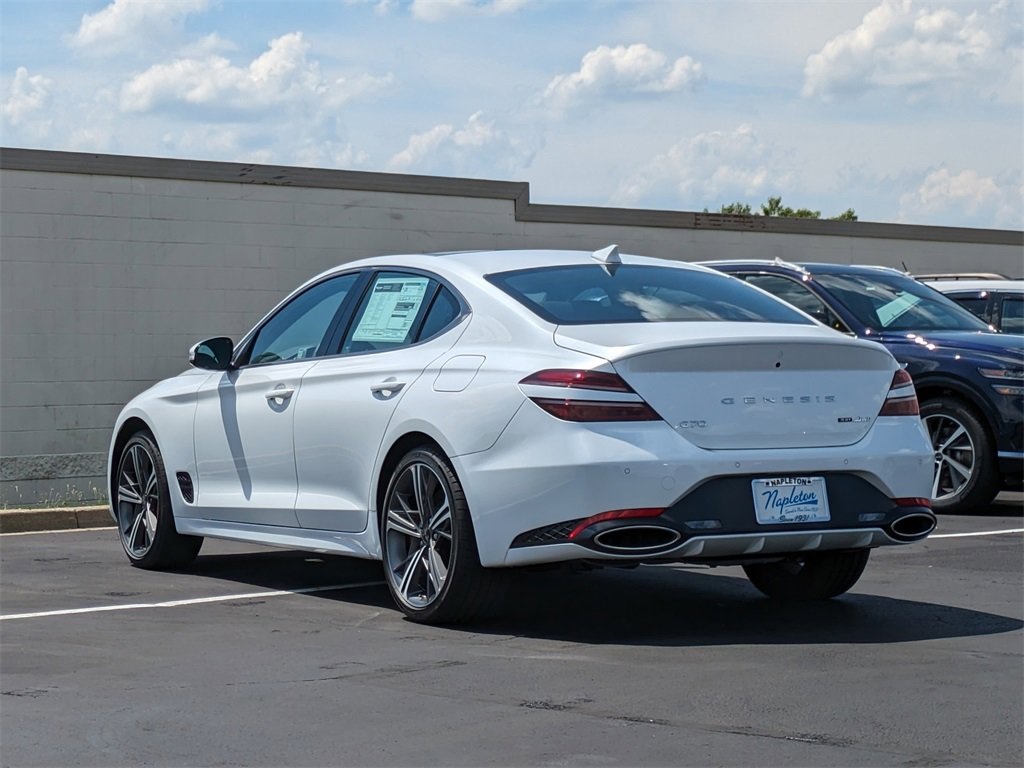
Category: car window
<point>632,293</point>
<point>799,296</point>
<point>889,301</point>
<point>974,304</point>
<point>297,330</point>
<point>1011,315</point>
<point>390,312</point>
<point>444,309</point>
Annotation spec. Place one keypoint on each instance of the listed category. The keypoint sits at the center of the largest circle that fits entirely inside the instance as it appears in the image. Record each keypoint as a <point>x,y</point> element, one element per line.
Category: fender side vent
<point>185,483</point>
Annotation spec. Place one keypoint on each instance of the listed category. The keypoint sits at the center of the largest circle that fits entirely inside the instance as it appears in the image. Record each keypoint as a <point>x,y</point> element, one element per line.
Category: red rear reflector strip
<point>914,501</point>
<point>615,514</point>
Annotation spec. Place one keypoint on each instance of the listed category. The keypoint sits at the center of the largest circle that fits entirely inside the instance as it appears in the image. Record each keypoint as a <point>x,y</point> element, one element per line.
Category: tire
<point>428,546</point>
<point>142,505</point>
<point>966,476</point>
<point>817,576</point>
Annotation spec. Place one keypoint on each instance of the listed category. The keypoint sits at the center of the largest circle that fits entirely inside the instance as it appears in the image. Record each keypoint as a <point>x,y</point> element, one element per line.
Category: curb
<point>54,519</point>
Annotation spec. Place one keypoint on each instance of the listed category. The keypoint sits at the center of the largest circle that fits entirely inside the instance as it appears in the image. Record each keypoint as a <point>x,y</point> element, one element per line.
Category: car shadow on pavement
<point>652,606</point>
<point>669,606</point>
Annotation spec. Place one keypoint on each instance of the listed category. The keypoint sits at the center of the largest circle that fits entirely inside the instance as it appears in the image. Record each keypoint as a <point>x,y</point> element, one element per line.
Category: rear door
<point>398,329</point>
<point>244,447</point>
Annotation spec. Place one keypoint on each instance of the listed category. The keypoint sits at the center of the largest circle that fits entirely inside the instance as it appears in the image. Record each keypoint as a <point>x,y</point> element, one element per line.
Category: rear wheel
<point>428,545</point>
<point>966,475</point>
<point>143,508</point>
<point>816,576</point>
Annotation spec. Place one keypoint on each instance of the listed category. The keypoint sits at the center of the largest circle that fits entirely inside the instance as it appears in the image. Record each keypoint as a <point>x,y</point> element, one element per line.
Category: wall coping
<point>516,191</point>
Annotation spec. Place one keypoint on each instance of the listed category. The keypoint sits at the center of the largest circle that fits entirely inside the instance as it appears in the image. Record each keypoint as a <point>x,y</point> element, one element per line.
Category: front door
<point>244,442</point>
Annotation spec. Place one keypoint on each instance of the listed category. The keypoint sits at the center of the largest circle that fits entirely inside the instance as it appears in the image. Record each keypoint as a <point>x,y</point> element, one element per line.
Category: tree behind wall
<point>774,207</point>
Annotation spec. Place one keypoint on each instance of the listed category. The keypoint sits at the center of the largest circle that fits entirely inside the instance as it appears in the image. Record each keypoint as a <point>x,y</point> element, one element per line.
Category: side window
<point>442,313</point>
<point>978,306</point>
<point>390,312</point>
<point>299,327</point>
<point>1011,318</point>
<point>800,297</point>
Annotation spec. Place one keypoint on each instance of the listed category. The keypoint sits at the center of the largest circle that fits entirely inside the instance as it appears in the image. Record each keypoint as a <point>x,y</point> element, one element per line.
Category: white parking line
<point>110,527</point>
<point>192,601</point>
<point>974,533</point>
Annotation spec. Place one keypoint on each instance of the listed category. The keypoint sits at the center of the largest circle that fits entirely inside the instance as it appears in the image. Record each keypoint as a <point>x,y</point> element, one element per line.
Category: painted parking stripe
<point>974,533</point>
<point>60,530</point>
<point>191,601</point>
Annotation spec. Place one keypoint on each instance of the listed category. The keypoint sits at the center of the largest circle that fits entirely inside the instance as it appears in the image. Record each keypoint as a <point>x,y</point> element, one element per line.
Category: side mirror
<point>212,354</point>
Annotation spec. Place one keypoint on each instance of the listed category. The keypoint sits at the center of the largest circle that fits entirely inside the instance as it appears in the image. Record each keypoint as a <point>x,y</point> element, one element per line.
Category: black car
<point>969,380</point>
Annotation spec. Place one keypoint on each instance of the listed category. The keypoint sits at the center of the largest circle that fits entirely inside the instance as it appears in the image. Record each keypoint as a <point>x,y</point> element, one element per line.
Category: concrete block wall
<point>111,267</point>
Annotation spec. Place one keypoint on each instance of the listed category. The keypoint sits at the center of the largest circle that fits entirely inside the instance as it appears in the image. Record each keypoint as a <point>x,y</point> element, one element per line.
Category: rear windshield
<point>587,294</point>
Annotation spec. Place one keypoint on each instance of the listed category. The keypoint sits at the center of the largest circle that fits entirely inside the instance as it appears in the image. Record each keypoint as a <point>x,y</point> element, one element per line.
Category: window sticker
<point>392,308</point>
<point>889,312</point>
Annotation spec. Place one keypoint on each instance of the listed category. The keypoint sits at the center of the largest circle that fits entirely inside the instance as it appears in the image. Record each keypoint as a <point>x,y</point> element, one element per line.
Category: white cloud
<point>281,76</point>
<point>942,196</point>
<point>321,154</point>
<point>27,97</point>
<point>126,23</point>
<point>897,46</point>
<point>438,10</point>
<point>708,170</point>
<point>476,149</point>
<point>607,72</point>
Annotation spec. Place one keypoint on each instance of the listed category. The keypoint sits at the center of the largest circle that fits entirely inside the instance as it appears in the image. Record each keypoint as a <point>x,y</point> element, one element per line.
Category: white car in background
<point>458,414</point>
<point>1000,303</point>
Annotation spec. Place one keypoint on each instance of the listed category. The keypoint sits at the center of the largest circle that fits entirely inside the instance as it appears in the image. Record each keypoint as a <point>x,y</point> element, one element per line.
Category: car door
<point>244,444</point>
<point>1011,313</point>
<point>404,322</point>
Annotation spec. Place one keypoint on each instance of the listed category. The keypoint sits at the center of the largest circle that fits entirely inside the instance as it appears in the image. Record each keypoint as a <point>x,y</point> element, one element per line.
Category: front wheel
<point>966,476</point>
<point>816,576</point>
<point>428,545</point>
<point>142,504</point>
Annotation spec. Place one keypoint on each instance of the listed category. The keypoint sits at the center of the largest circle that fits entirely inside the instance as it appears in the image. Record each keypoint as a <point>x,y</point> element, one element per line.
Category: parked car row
<point>456,415</point>
<point>969,380</point>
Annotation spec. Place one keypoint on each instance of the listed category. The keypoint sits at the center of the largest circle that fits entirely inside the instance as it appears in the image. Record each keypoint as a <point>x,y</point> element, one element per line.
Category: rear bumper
<point>542,473</point>
<point>721,548</point>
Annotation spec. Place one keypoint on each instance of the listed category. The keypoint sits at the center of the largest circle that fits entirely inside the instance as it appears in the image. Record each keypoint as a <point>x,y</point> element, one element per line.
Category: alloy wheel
<point>418,531</point>
<point>138,500</point>
<point>955,455</point>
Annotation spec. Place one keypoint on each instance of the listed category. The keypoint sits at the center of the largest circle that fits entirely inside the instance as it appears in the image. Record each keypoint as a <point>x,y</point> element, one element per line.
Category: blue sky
<point>904,110</point>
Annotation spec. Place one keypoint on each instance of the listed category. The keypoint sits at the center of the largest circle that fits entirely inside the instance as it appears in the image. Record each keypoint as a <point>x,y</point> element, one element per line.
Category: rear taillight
<point>596,410</point>
<point>573,379</point>
<point>628,406</point>
<point>902,397</point>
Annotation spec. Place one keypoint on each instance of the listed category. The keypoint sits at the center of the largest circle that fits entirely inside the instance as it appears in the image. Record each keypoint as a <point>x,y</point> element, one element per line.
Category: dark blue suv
<point>969,380</point>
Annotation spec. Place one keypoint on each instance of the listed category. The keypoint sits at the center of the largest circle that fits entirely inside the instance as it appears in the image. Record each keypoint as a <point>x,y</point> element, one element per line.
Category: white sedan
<point>458,414</point>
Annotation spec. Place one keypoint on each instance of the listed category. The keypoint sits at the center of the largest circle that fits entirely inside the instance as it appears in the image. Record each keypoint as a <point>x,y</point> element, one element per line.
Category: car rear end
<point>696,419</point>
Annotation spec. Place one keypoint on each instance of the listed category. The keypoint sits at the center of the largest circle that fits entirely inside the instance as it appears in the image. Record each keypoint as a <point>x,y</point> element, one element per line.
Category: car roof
<point>971,286</point>
<point>476,264</point>
<point>961,276</point>
<point>811,267</point>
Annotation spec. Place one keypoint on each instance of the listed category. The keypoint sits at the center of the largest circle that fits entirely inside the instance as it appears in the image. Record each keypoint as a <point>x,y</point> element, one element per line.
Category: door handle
<point>282,394</point>
<point>387,387</point>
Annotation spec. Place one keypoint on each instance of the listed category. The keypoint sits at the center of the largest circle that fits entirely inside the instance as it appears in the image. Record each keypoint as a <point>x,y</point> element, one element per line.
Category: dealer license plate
<point>780,500</point>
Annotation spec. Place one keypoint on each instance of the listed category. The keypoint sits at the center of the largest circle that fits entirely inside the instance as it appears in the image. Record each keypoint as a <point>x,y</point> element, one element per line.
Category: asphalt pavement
<point>259,657</point>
